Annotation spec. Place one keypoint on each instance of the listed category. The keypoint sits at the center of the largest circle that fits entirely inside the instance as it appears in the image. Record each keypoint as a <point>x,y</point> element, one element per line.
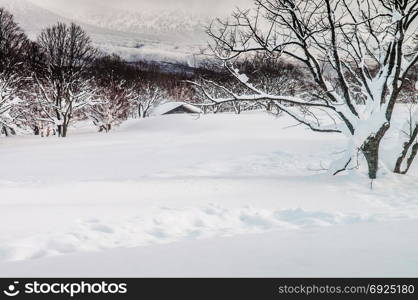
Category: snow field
<point>179,179</point>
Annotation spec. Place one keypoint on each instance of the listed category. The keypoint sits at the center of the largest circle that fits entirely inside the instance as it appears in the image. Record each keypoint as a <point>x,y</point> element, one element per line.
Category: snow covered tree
<point>111,106</point>
<point>409,132</point>
<point>79,95</point>
<point>12,48</point>
<point>358,54</point>
<point>10,104</point>
<point>12,42</point>
<point>409,137</point>
<point>268,73</point>
<point>62,83</point>
<point>145,96</point>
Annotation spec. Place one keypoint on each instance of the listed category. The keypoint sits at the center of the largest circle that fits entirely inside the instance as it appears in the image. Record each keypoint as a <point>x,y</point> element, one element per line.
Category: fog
<point>208,7</point>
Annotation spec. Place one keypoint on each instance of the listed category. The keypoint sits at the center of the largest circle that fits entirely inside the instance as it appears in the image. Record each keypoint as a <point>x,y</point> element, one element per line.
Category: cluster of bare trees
<point>359,56</point>
<point>267,72</point>
<point>61,78</point>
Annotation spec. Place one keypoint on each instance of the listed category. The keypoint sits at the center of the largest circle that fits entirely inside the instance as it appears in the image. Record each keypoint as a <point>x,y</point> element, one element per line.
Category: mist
<point>205,7</point>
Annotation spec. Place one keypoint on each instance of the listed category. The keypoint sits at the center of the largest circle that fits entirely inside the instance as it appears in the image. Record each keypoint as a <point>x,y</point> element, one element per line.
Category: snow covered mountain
<point>168,24</point>
<point>180,20</point>
<point>30,17</point>
<point>132,35</point>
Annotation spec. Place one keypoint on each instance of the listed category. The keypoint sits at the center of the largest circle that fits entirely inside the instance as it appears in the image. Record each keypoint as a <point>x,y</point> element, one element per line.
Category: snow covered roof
<point>170,106</point>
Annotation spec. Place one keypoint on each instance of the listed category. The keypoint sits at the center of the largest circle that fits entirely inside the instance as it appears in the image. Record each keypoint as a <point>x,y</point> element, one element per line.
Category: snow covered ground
<point>219,195</point>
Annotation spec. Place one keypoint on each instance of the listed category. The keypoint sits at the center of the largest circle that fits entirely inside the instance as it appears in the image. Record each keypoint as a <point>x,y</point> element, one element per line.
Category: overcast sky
<point>199,6</point>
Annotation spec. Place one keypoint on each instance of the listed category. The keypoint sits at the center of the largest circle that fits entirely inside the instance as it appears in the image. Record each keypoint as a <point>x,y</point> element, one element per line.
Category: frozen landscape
<point>216,195</point>
<point>190,138</point>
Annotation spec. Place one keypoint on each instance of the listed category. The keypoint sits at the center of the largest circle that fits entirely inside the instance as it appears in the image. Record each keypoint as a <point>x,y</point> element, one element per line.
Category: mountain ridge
<point>131,46</point>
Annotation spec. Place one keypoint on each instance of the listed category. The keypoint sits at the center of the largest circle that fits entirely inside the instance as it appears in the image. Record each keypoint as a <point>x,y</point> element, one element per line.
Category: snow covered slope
<point>30,17</point>
<point>179,179</point>
<point>180,20</point>
<point>130,45</point>
<point>171,25</point>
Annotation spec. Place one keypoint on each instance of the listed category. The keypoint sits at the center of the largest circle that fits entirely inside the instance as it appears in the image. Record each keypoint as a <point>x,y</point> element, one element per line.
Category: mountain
<point>138,39</point>
<point>30,17</point>
<point>171,25</point>
<point>181,20</point>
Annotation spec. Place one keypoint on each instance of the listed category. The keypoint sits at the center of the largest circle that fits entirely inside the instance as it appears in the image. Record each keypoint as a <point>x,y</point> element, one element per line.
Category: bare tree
<point>10,104</point>
<point>12,42</point>
<point>409,138</point>
<point>268,73</point>
<point>111,106</point>
<point>62,83</point>
<point>145,96</point>
<point>12,48</point>
<point>358,54</point>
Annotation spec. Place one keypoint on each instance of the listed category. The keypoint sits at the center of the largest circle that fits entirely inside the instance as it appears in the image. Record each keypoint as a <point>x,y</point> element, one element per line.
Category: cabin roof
<point>170,106</point>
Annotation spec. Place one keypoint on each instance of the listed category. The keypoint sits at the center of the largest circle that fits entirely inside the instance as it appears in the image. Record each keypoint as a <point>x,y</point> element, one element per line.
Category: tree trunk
<point>57,113</point>
<point>145,113</point>
<point>370,150</point>
<point>410,151</point>
<point>59,130</point>
<point>36,130</point>
<point>64,130</point>
<point>237,108</point>
<point>65,123</point>
<point>140,111</point>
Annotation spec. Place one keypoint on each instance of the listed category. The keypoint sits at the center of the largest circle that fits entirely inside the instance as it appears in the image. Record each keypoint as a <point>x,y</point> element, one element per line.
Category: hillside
<point>129,44</point>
